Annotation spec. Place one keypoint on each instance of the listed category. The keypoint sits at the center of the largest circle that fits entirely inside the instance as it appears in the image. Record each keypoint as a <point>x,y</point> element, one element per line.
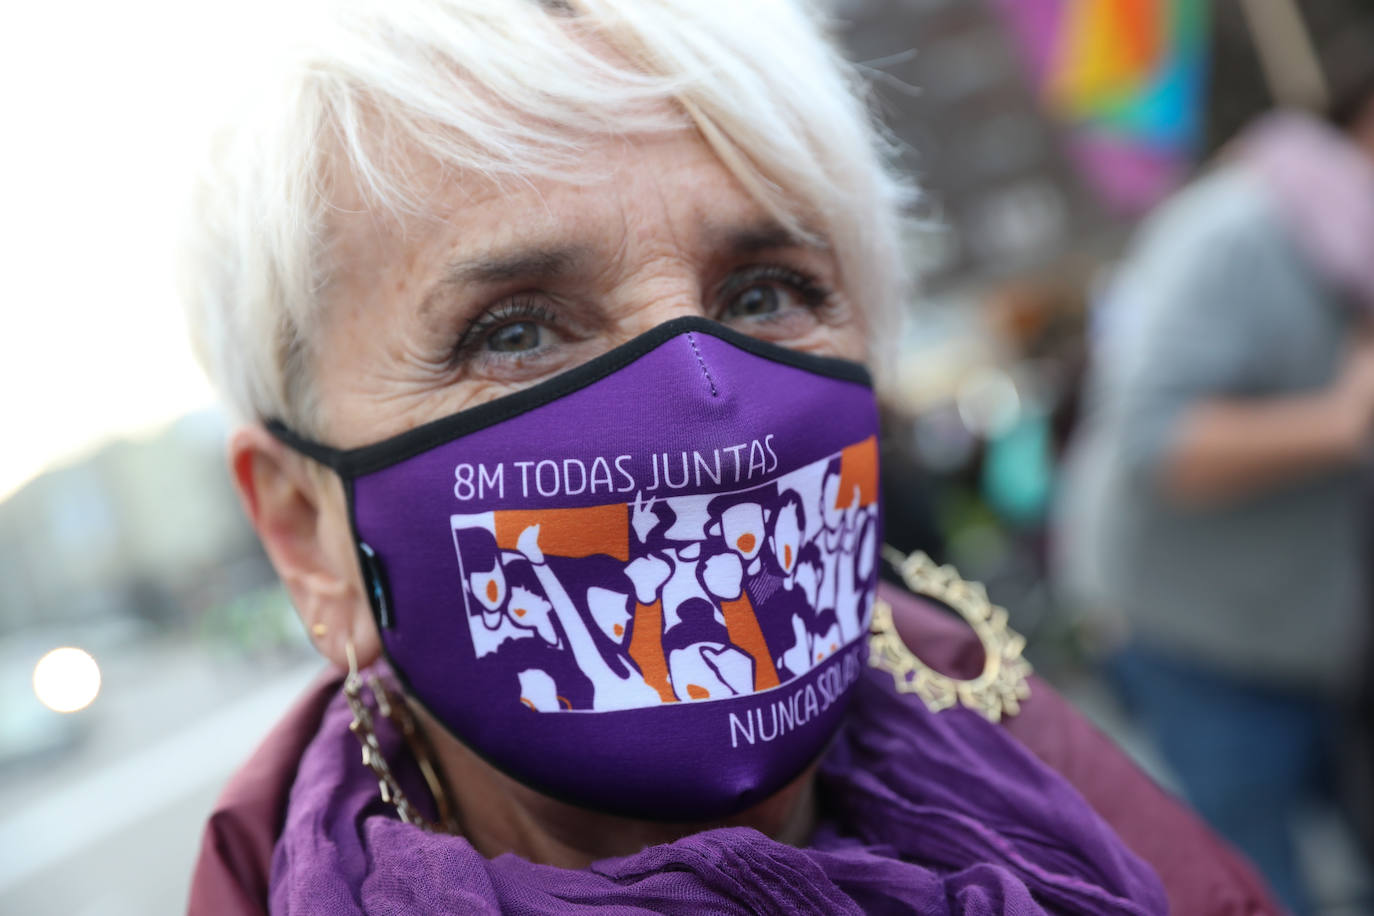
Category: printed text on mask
<point>733,464</point>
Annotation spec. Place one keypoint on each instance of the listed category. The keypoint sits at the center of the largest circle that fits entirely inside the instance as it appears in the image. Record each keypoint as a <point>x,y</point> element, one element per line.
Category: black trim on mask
<point>357,462</point>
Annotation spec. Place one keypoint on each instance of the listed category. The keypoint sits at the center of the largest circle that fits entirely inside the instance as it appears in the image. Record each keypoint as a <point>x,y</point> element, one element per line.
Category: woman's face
<point>509,286</point>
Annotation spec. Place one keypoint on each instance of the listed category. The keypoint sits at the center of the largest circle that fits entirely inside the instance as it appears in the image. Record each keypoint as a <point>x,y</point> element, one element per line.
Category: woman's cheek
<point>846,340</point>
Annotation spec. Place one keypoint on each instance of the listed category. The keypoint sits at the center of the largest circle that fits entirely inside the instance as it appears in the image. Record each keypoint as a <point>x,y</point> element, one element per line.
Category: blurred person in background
<point>1213,507</point>
<point>546,326</point>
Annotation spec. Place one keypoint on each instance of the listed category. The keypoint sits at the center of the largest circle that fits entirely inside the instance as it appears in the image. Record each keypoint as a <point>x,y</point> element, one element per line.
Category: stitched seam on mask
<point>701,362</point>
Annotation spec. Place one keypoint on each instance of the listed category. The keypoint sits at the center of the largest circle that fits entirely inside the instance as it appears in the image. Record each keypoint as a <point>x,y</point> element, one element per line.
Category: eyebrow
<point>529,262</point>
<point>526,263</point>
<point>546,263</point>
<point>762,236</point>
<point>559,261</point>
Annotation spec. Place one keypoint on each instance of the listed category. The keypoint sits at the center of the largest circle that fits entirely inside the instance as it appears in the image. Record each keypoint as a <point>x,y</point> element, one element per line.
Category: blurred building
<point>952,87</point>
<point>145,529</point>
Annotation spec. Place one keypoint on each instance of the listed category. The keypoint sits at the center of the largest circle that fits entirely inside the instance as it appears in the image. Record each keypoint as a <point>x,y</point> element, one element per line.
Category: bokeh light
<point>66,679</point>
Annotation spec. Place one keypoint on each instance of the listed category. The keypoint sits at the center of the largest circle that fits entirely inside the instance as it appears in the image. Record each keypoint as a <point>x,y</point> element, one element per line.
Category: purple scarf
<point>920,813</point>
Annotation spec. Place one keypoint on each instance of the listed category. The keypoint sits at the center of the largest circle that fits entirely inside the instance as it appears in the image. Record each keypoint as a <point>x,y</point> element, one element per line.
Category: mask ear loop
<point>1003,683</point>
<point>393,708</point>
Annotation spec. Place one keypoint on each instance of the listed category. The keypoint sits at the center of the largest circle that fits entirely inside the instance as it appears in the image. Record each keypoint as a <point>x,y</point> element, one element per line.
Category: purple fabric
<point>647,596</point>
<point>921,813</point>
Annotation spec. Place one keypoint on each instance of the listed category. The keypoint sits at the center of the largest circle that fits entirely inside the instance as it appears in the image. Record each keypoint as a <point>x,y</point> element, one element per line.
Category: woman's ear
<point>298,510</point>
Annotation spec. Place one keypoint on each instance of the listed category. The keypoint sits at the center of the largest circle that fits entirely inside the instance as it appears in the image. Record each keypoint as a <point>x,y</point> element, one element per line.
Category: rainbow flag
<point>1127,78</point>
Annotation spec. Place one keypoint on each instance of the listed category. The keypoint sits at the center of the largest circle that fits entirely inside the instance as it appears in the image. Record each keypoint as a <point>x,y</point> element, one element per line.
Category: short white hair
<point>380,81</point>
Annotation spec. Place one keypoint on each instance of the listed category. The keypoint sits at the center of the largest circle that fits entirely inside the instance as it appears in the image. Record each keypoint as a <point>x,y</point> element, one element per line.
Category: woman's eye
<point>517,337</point>
<point>766,292</point>
<point>512,330</point>
<point>754,301</point>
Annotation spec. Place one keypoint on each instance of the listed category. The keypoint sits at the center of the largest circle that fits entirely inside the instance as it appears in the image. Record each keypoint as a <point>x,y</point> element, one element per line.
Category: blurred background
<point>1045,134</point>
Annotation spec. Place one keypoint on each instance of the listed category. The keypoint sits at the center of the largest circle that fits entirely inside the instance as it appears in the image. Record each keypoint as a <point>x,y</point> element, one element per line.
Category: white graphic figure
<point>868,549</point>
<point>610,689</point>
<point>682,586</point>
<point>724,575</point>
<point>710,670</point>
<point>530,611</point>
<point>491,627</point>
<point>809,650</point>
<point>798,658</point>
<point>610,610</point>
<point>642,518</point>
<point>538,691</point>
<point>865,560</point>
<point>826,644</point>
<point>689,518</point>
<point>830,542</point>
<point>786,544</point>
<point>489,588</point>
<point>832,511</point>
<point>809,581</point>
<point>742,527</point>
<point>647,574</point>
<point>487,639</point>
<point>807,484</point>
<point>847,596</point>
<point>850,595</point>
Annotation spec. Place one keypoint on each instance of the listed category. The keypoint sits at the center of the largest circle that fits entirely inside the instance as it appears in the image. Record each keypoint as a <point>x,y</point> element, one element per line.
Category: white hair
<point>381,81</point>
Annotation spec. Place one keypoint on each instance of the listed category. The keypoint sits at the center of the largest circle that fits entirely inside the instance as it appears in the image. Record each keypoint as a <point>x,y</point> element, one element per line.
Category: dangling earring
<point>394,709</point>
<point>1003,683</point>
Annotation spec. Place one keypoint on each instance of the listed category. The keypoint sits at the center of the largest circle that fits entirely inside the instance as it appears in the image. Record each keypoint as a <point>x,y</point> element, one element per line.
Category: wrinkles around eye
<point>807,309</point>
<point>520,369</point>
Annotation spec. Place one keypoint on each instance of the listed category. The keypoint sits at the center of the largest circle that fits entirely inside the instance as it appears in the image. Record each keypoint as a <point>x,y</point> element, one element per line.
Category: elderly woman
<point>548,324</point>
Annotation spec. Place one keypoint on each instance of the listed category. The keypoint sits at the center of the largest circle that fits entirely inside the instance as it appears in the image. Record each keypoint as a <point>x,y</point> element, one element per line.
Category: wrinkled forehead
<point>667,190</point>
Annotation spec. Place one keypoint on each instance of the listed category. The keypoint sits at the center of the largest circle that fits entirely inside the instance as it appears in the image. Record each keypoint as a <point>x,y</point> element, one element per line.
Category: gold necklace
<point>1003,683</point>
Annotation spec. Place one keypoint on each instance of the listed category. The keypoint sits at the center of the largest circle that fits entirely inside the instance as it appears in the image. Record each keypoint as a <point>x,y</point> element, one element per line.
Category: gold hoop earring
<point>1003,683</point>
<point>394,709</point>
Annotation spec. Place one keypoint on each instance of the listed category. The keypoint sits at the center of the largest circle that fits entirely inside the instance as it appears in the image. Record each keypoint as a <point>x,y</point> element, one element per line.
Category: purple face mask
<point>641,586</point>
